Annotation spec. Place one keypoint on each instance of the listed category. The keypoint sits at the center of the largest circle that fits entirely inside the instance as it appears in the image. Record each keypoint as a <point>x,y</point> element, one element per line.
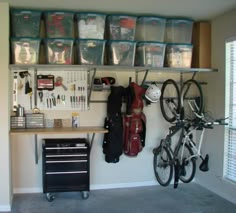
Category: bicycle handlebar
<point>209,124</point>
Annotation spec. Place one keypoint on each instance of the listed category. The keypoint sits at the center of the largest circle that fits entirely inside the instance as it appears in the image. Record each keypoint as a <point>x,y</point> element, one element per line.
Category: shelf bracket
<point>36,154</point>
<point>194,74</point>
<point>91,141</point>
<point>145,77</point>
<point>91,85</point>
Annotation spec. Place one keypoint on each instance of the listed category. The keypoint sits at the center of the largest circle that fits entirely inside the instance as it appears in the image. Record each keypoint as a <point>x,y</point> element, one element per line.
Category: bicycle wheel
<point>170,100</point>
<point>187,166</point>
<point>162,165</point>
<point>191,99</point>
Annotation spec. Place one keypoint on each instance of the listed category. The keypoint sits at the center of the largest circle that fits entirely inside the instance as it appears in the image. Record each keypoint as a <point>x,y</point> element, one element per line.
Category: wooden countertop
<point>63,130</point>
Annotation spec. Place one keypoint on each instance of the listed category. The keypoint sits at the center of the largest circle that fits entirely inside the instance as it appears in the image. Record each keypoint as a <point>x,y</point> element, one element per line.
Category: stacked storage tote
<point>25,36</point>
<point>60,37</point>
<point>121,45</point>
<point>150,51</point>
<point>90,42</point>
<point>179,37</point>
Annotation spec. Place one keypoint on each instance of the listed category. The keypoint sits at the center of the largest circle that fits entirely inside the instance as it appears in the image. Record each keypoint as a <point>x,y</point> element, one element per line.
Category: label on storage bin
<point>127,23</point>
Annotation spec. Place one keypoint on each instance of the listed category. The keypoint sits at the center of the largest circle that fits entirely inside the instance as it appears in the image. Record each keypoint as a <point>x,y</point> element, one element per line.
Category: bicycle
<point>184,104</point>
<point>181,160</point>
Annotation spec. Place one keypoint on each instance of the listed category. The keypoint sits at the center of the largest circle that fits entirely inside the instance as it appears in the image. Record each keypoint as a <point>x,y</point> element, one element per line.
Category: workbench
<point>59,131</point>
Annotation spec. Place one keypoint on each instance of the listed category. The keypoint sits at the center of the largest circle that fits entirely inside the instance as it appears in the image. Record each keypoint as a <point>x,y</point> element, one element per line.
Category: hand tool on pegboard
<point>14,102</point>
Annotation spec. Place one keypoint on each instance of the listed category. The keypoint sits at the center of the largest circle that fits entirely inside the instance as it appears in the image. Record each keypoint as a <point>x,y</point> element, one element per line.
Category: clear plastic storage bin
<point>25,23</point>
<point>150,28</point>
<point>25,50</point>
<point>91,25</point>
<point>59,24</point>
<point>179,30</point>
<point>121,52</point>
<point>121,27</point>
<point>179,55</point>
<point>150,54</point>
<point>91,51</point>
<point>59,51</point>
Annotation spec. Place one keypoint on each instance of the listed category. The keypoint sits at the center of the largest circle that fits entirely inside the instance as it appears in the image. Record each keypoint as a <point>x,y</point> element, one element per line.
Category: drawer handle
<point>61,173</point>
<point>52,156</point>
<point>50,148</point>
<point>67,161</point>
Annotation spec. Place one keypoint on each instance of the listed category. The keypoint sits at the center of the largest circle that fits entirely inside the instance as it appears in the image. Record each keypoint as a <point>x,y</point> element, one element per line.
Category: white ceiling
<point>196,9</point>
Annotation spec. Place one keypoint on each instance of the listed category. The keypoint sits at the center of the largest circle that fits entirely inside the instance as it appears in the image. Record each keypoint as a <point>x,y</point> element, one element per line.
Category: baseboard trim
<point>122,185</point>
<point>92,187</point>
<point>6,208</point>
<point>27,190</point>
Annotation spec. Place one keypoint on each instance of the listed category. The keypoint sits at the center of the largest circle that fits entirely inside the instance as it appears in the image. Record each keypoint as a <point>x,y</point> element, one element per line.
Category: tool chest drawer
<point>65,165</point>
<point>66,182</point>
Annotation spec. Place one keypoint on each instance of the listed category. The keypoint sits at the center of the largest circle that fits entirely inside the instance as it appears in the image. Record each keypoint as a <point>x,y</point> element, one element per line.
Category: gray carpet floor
<point>187,198</point>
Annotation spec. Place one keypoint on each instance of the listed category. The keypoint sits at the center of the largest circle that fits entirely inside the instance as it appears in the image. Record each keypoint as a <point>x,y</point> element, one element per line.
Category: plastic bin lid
<point>25,38</point>
<point>123,41</point>
<point>122,15</point>
<point>25,11</point>
<point>180,19</point>
<point>91,39</point>
<point>92,13</point>
<point>151,42</point>
<point>179,44</point>
<point>58,12</point>
<point>150,16</point>
<point>59,39</point>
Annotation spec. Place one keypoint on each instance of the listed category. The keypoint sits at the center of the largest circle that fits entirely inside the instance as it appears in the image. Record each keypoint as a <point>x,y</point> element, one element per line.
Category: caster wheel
<point>50,197</point>
<point>85,195</point>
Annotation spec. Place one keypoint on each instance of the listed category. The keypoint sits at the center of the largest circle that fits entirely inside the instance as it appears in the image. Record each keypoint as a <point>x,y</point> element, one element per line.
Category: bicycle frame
<point>168,139</point>
<point>196,149</point>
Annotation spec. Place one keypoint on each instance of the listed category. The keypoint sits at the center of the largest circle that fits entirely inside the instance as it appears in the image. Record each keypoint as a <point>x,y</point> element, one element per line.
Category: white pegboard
<point>72,94</point>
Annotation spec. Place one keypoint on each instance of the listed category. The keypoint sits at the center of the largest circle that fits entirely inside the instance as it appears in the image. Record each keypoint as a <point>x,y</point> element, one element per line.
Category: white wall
<point>132,171</point>
<point>223,27</point>
<point>5,180</point>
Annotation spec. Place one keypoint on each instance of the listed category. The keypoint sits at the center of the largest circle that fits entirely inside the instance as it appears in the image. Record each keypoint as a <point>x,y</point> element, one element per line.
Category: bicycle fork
<point>204,165</point>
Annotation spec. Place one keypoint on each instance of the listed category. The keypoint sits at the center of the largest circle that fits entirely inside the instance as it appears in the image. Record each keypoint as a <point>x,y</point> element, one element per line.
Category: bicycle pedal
<point>182,171</point>
<point>177,173</point>
<point>155,150</point>
<point>204,165</point>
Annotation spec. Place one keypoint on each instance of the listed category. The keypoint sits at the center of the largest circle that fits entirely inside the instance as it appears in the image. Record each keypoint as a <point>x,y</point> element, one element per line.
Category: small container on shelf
<point>34,120</point>
<point>59,51</point>
<point>179,30</point>
<point>59,24</point>
<point>91,25</point>
<point>121,53</point>
<point>17,122</point>
<point>179,55</point>
<point>150,28</point>
<point>150,54</point>
<point>25,50</point>
<point>121,27</point>
<point>25,23</point>
<point>91,51</point>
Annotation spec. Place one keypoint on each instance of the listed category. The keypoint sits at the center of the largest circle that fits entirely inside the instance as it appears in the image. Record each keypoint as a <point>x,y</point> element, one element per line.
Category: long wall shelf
<point>48,67</point>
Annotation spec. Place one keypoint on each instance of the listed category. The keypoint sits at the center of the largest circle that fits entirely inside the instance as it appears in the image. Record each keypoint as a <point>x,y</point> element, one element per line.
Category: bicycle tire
<point>191,96</point>
<point>188,168</point>
<point>170,100</point>
<point>162,165</point>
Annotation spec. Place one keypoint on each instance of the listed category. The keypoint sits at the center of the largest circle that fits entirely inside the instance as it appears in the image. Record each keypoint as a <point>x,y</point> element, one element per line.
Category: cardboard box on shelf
<point>201,40</point>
